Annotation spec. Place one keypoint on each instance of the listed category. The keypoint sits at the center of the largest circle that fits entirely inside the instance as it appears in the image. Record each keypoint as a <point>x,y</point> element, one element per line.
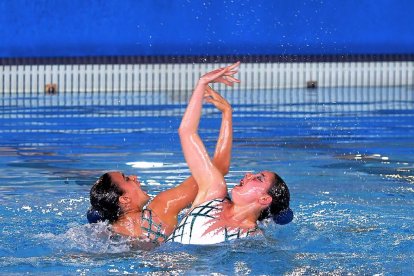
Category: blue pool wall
<point>157,28</point>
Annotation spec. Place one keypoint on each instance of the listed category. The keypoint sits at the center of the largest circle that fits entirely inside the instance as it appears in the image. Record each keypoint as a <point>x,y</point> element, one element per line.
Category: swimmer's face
<point>133,194</point>
<point>253,188</point>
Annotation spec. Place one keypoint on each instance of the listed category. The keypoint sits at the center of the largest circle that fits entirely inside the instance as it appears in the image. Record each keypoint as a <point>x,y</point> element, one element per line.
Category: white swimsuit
<point>194,228</point>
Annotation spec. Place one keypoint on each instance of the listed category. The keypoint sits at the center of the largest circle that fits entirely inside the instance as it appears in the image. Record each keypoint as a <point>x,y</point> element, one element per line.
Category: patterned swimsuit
<point>194,228</point>
<point>151,229</point>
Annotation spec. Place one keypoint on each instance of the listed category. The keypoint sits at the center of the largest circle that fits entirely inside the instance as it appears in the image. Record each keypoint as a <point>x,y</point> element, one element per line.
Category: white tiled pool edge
<point>179,77</point>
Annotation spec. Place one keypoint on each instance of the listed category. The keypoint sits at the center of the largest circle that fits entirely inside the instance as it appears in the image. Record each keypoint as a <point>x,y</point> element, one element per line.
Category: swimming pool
<point>346,154</point>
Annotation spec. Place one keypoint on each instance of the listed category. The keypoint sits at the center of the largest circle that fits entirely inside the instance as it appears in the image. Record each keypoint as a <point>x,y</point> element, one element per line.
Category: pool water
<point>347,155</point>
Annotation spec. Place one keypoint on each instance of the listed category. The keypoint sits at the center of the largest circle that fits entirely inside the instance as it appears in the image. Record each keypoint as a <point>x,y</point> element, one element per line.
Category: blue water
<point>347,155</point>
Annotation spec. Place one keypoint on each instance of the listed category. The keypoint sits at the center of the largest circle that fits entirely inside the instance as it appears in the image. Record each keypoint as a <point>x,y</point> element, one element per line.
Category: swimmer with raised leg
<point>120,199</point>
<point>214,217</point>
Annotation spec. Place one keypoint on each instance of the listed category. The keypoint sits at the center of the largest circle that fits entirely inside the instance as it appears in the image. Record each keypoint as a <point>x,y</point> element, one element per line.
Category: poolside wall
<point>124,77</point>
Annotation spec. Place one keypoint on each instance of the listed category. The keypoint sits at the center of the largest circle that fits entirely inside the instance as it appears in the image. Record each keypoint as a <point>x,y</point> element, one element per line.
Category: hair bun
<point>283,217</point>
<point>94,216</point>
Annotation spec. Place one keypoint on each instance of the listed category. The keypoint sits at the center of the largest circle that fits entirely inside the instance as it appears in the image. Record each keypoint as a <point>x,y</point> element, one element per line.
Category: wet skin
<point>132,190</point>
<point>252,187</point>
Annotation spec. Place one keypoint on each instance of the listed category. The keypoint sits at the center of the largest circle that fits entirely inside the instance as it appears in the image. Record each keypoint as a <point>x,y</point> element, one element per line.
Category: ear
<point>124,199</point>
<point>265,200</point>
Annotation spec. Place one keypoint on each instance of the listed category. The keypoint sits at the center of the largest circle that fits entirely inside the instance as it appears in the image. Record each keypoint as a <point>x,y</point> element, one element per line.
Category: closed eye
<point>126,178</point>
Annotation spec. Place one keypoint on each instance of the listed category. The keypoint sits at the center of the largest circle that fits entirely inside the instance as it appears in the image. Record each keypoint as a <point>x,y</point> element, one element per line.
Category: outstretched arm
<point>209,179</point>
<point>169,203</point>
<point>222,154</point>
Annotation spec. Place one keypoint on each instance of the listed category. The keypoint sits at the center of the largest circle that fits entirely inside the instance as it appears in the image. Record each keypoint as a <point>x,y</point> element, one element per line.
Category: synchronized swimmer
<point>213,216</point>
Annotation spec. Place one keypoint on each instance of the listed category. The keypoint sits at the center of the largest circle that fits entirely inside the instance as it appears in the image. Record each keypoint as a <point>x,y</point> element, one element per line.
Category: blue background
<point>154,27</point>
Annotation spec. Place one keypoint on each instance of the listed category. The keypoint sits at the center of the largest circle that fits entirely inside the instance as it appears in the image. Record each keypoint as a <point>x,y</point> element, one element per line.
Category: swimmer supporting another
<point>214,217</point>
<point>121,200</point>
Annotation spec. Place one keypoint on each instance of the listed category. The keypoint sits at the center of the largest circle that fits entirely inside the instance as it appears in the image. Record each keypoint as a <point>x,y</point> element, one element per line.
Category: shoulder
<point>152,226</point>
<point>210,203</point>
<point>209,195</point>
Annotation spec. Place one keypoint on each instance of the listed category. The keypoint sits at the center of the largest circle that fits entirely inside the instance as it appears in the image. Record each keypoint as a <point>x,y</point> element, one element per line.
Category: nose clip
<point>249,175</point>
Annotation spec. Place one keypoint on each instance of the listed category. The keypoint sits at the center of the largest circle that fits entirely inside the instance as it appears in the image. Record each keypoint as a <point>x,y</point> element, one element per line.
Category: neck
<point>129,224</point>
<point>129,215</point>
<point>245,215</point>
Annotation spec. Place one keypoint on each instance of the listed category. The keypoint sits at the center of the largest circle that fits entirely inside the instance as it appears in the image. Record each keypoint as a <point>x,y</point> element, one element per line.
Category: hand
<point>216,99</point>
<point>222,75</point>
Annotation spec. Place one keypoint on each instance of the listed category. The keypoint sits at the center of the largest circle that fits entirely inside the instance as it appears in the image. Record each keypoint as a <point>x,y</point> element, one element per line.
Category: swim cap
<point>284,217</point>
<point>94,216</point>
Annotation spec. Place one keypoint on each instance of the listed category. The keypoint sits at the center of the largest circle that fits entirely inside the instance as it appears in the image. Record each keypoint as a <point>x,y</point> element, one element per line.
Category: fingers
<point>220,105</point>
<point>225,81</point>
<point>213,97</point>
<point>228,79</point>
<point>212,93</point>
<point>222,75</point>
<point>216,74</point>
<point>228,72</point>
<point>231,69</point>
<point>210,90</point>
<point>233,79</point>
<point>234,65</point>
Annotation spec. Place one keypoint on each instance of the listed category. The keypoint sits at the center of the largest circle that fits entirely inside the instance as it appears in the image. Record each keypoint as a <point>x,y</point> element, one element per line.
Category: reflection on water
<point>381,165</point>
<point>346,154</point>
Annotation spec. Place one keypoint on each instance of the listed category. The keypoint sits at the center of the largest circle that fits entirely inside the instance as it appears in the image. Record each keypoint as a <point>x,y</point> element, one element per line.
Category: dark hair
<point>104,197</point>
<point>280,199</point>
